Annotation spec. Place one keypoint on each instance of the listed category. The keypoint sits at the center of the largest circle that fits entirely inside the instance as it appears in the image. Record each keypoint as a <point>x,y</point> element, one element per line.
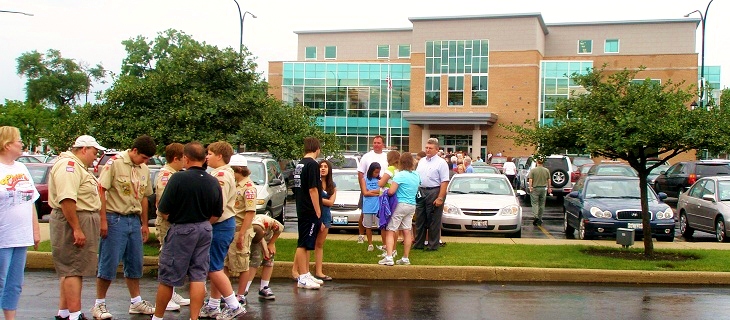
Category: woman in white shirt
<point>510,170</point>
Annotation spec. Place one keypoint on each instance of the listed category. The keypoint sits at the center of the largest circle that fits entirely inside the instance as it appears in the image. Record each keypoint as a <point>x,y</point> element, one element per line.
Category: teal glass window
<point>611,46</point>
<point>556,84</point>
<point>433,90</point>
<point>456,91</point>
<point>479,90</point>
<point>585,46</point>
<point>404,51</point>
<point>457,56</point>
<point>383,51</point>
<point>330,52</point>
<point>310,53</point>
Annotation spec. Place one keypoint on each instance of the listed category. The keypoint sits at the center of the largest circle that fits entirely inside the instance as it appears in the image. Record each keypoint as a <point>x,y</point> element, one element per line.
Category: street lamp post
<point>18,12</point>
<point>703,20</point>
<point>241,17</point>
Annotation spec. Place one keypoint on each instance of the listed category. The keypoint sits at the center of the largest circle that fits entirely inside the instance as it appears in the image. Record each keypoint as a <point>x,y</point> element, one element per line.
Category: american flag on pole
<point>390,82</point>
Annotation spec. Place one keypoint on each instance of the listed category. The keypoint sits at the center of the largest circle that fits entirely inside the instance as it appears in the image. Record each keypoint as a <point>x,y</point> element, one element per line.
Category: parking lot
<point>552,227</point>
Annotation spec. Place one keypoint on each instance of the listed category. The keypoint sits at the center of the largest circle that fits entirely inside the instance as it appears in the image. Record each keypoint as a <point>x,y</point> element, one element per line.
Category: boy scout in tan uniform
<point>238,258</point>
<point>73,194</point>
<point>125,179</point>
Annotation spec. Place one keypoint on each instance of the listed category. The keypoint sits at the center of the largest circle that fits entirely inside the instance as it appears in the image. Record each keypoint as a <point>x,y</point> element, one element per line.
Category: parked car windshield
<point>346,163</point>
<point>37,172</point>
<point>658,170</point>
<point>581,161</point>
<point>480,185</point>
<point>258,172</point>
<point>706,170</point>
<point>346,181</point>
<point>620,189</point>
<point>485,169</point>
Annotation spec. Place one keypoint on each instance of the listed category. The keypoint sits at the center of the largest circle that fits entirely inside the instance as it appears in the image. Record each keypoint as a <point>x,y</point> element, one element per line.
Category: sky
<point>91,31</point>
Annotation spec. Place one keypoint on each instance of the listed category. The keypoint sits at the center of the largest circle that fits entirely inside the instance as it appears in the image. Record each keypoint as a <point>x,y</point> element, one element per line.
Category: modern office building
<point>457,78</point>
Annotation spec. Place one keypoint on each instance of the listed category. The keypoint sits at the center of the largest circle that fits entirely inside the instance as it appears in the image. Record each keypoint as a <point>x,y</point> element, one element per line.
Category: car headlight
<point>511,210</point>
<point>666,214</point>
<point>598,213</point>
<point>451,209</point>
<point>260,202</point>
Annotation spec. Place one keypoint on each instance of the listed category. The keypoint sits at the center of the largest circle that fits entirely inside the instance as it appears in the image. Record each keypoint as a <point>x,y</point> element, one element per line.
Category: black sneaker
<point>266,293</point>
<point>59,318</point>
<point>534,222</point>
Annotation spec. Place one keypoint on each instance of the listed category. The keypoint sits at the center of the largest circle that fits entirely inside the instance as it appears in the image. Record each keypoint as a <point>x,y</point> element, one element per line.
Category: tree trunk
<point>645,216</point>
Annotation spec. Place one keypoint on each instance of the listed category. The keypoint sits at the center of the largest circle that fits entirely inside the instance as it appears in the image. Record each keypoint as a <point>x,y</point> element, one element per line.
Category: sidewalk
<point>282,269</point>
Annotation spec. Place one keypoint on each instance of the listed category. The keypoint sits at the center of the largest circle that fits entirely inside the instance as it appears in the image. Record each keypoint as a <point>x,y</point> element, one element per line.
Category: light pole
<point>242,16</point>
<point>18,12</point>
<point>703,20</point>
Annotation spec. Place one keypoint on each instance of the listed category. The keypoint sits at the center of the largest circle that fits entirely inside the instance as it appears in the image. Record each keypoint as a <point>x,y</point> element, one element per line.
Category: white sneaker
<point>381,248</point>
<point>209,312</point>
<point>180,300</point>
<point>387,261</point>
<point>370,247</point>
<point>361,238</point>
<point>385,253</point>
<point>403,262</point>
<point>142,307</point>
<point>315,280</point>
<point>100,311</point>
<point>306,283</point>
<point>172,306</point>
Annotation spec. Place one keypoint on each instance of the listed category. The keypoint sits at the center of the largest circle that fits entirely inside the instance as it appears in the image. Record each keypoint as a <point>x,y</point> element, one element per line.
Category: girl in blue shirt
<point>370,203</point>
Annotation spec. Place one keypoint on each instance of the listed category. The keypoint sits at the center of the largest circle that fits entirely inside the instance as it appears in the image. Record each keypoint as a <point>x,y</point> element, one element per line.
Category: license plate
<point>480,223</point>
<point>637,226</point>
<point>339,220</point>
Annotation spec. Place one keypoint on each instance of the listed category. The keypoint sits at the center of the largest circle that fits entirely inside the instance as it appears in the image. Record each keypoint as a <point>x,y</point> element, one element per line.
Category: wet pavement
<point>421,300</point>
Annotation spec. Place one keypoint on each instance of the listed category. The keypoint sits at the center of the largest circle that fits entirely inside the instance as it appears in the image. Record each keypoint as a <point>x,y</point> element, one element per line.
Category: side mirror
<point>663,172</point>
<point>662,196</point>
<point>574,194</point>
<point>708,197</point>
<point>521,193</point>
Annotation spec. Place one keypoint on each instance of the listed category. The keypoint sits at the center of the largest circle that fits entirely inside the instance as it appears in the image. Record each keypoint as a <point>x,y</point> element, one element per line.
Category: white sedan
<point>481,202</point>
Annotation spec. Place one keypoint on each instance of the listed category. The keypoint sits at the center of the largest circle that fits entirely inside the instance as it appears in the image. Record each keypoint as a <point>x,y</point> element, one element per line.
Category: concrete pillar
<point>425,134</point>
<point>476,142</point>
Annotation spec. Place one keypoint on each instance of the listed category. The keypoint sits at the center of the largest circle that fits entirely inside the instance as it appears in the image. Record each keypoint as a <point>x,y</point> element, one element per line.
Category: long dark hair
<point>373,166</point>
<point>329,183</point>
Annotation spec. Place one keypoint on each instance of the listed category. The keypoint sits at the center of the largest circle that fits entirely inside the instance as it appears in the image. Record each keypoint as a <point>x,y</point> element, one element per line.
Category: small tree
<point>620,118</point>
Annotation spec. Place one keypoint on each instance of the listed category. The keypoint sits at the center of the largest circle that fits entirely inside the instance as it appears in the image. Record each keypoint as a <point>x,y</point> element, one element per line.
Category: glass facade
<point>353,99</point>
<point>457,58</point>
<point>556,84</point>
<point>611,46</point>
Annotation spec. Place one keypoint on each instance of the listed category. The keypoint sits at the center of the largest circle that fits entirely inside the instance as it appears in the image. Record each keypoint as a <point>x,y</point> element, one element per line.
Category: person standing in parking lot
<point>510,170</point>
<point>308,196</point>
<point>173,164</point>
<point>434,174</point>
<point>73,194</point>
<point>219,155</point>
<point>374,155</point>
<point>18,219</point>
<point>125,183</point>
<point>538,181</point>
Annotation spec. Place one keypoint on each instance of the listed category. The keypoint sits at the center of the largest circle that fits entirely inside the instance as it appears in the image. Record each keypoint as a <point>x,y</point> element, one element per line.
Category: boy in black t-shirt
<point>308,196</point>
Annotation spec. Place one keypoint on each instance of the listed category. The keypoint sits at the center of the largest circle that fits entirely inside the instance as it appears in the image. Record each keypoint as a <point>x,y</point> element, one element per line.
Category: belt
<point>430,188</point>
<point>131,214</point>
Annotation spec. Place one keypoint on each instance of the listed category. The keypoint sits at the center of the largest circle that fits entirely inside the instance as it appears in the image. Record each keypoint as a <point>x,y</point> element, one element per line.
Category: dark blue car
<point>598,205</point>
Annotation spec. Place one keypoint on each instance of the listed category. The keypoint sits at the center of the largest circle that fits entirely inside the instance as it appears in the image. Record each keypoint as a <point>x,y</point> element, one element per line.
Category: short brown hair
<point>194,151</point>
<point>406,162</point>
<point>393,157</point>
<point>222,148</point>
<point>174,150</point>
<point>311,144</point>
<point>145,145</point>
<point>244,171</point>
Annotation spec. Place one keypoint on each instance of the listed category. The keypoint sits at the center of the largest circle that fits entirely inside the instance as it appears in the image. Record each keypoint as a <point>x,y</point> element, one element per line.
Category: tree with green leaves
<point>177,89</point>
<point>619,118</point>
<point>32,120</point>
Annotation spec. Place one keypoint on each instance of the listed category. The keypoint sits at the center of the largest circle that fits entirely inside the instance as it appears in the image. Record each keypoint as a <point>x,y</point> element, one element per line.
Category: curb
<point>347,271</point>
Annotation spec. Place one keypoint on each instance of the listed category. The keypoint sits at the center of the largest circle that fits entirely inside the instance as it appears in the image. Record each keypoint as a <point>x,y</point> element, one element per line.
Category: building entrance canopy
<point>421,118</point>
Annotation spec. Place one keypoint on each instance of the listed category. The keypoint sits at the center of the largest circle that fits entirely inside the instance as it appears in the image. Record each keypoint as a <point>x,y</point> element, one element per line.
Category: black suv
<point>680,176</point>
<point>559,166</point>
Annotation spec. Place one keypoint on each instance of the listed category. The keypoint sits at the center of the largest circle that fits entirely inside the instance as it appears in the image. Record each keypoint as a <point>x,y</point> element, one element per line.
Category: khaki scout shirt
<point>269,224</point>
<point>161,182</point>
<point>70,179</point>
<point>227,181</point>
<point>245,200</point>
<point>126,184</point>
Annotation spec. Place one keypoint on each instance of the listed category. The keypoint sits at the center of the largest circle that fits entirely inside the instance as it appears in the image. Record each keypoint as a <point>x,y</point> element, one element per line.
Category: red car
<point>498,162</point>
<point>40,173</point>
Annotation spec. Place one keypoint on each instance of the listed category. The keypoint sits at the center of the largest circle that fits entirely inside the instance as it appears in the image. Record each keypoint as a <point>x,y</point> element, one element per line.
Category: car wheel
<point>684,229</point>
<point>720,230</point>
<point>566,226</point>
<point>559,178</point>
<point>582,232</point>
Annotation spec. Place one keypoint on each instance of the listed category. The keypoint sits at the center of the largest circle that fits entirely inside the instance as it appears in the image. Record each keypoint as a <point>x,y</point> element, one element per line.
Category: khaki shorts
<point>162,225</point>
<point>257,257</point>
<point>237,261</point>
<point>71,260</point>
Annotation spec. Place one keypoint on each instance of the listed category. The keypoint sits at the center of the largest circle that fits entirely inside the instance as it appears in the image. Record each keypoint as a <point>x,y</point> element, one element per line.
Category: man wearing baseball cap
<point>73,194</point>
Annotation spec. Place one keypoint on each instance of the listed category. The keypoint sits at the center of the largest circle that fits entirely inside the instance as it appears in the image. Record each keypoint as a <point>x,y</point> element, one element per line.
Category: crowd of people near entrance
<point>206,222</point>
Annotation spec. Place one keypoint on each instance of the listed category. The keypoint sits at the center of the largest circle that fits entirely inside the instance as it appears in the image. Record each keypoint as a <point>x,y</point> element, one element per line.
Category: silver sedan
<point>705,207</point>
<point>482,202</point>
